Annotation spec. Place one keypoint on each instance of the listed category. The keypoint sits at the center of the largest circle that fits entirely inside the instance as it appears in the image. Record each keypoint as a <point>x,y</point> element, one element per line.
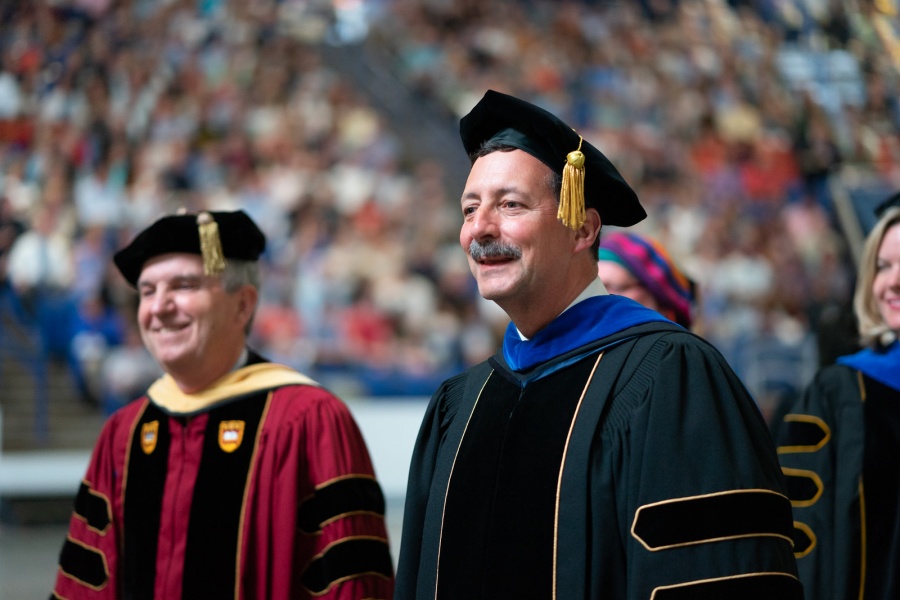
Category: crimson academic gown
<point>613,455</point>
<point>259,487</point>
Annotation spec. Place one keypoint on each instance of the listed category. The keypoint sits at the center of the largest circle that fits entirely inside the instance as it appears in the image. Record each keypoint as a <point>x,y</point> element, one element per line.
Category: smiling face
<point>522,257</point>
<point>886,285</point>
<point>189,323</point>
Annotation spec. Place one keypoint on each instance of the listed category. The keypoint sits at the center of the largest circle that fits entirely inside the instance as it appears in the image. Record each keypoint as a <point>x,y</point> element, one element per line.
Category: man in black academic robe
<point>604,452</point>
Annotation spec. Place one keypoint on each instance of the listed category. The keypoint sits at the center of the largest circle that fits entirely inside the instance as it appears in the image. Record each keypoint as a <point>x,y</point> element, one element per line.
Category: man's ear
<point>248,296</point>
<point>587,233</point>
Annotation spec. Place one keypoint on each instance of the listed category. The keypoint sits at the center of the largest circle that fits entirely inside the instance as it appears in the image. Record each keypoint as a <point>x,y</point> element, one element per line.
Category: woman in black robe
<point>840,445</point>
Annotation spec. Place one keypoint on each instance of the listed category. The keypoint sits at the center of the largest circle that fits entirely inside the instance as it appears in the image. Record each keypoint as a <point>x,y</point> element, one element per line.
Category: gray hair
<point>873,331</point>
<point>236,275</point>
<point>239,273</point>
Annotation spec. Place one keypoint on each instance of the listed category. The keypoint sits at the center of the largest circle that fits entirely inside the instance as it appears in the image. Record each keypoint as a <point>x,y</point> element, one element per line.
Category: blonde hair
<point>873,331</point>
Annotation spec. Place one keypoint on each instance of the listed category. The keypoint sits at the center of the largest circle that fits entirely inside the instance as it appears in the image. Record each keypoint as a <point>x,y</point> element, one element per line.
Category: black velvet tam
<point>241,240</point>
<point>503,118</point>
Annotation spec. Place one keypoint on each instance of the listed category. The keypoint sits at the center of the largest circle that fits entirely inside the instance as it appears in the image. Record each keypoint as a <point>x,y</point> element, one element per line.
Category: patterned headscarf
<point>652,266</point>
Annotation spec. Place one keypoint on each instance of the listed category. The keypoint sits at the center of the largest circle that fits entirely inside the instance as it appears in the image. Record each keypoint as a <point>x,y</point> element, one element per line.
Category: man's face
<point>886,285</point>
<point>516,247</point>
<point>188,322</point>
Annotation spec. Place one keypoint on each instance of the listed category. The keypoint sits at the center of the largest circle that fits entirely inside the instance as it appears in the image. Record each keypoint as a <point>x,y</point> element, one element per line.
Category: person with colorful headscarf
<point>638,267</point>
<point>840,444</point>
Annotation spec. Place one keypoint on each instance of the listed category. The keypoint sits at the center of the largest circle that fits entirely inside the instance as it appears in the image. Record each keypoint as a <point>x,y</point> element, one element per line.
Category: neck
<point>536,315</point>
<point>194,380</point>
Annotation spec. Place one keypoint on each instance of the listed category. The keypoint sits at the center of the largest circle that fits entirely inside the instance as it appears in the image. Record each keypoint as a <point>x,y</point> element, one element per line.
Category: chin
<point>175,362</point>
<point>892,320</point>
<point>492,287</point>
<point>491,293</point>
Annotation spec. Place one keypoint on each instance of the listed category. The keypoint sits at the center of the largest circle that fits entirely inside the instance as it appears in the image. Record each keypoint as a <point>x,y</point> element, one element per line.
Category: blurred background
<point>759,135</point>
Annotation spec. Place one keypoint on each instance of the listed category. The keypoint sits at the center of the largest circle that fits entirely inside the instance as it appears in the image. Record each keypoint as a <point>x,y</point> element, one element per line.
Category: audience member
<point>639,268</point>
<point>118,116</point>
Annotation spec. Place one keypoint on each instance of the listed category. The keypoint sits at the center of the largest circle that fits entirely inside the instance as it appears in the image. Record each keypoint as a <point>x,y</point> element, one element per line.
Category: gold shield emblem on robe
<point>231,434</point>
<point>149,434</point>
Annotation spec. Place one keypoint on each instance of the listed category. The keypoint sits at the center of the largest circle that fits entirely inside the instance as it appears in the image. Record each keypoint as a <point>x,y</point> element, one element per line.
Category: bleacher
<point>376,161</point>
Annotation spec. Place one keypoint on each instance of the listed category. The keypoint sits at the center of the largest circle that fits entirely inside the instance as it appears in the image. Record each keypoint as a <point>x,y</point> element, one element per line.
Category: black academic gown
<point>636,466</point>
<point>840,449</point>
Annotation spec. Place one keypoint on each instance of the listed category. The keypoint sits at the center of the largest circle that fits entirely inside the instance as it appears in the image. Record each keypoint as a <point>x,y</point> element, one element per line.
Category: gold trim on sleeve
<point>820,487</point>
<point>637,515</point>
<point>106,502</point>
<point>653,596</point>
<point>806,448</point>
<point>102,556</point>
<point>813,540</point>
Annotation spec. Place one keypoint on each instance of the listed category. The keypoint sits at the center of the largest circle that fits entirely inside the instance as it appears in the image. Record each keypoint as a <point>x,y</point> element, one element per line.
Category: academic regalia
<point>840,449</point>
<point>260,487</point>
<point>613,455</point>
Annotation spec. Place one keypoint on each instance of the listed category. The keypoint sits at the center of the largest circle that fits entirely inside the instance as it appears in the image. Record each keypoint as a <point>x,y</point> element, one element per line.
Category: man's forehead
<point>173,264</point>
<point>509,159</point>
<point>506,171</point>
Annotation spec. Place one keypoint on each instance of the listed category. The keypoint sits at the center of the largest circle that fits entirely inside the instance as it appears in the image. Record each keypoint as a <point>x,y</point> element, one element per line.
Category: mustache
<point>493,250</point>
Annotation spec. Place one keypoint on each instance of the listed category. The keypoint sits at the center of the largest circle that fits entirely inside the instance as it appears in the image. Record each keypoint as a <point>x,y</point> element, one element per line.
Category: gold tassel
<point>886,7</point>
<point>571,197</point>
<point>210,245</point>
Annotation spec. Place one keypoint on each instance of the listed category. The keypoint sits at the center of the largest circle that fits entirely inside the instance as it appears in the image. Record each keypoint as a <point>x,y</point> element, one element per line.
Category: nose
<point>159,303</point>
<point>482,224</point>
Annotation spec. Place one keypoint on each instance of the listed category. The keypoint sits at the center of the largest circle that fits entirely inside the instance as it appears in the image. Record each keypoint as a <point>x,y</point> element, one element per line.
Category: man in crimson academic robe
<point>232,477</point>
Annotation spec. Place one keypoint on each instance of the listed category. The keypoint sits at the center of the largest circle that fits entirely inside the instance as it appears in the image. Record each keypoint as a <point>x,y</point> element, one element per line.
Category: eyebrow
<point>500,192</point>
<point>189,277</point>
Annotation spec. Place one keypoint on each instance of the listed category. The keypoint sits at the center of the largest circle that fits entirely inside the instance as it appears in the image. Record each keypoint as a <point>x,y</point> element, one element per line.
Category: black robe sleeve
<point>687,498</point>
<point>821,444</point>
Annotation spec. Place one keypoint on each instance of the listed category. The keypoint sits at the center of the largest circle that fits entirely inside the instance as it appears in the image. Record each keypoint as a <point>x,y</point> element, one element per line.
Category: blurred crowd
<point>733,120</point>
